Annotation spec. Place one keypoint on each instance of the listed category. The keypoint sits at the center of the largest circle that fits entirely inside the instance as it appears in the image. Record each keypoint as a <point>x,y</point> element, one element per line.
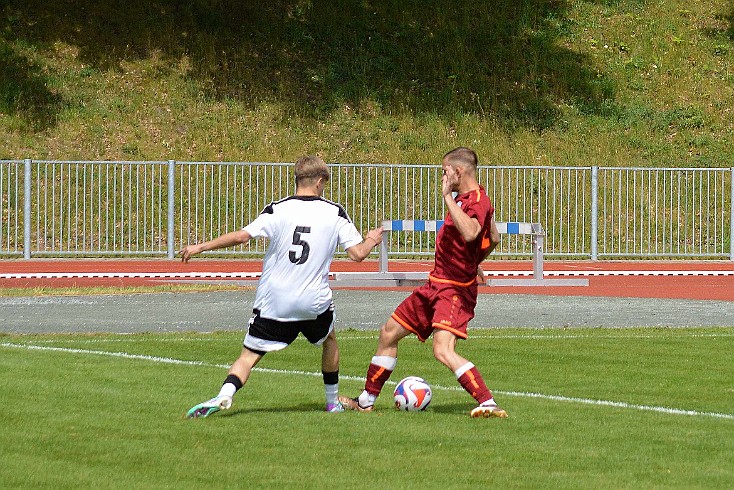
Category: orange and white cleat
<point>353,404</point>
<point>487,410</point>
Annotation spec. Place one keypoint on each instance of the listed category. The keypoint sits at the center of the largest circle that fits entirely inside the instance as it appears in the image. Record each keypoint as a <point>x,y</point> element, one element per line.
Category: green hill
<point>550,82</point>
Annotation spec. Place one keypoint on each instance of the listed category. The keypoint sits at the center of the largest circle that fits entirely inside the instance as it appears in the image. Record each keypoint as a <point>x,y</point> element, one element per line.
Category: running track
<point>638,279</point>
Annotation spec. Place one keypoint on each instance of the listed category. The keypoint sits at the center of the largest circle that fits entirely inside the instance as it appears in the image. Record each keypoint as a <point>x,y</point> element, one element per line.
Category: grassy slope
<point>639,82</point>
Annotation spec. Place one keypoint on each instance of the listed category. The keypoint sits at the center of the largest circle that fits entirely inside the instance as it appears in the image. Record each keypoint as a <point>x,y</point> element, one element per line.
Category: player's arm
<point>230,239</point>
<point>360,251</point>
<point>468,227</point>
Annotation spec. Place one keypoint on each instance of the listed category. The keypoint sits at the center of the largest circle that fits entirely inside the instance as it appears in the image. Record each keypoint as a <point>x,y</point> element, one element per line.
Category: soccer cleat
<point>335,407</point>
<point>487,410</point>
<point>209,407</point>
<point>353,404</point>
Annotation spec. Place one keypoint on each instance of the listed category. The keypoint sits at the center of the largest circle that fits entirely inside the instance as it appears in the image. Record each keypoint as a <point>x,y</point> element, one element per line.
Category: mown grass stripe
<point>558,398</point>
<point>128,337</point>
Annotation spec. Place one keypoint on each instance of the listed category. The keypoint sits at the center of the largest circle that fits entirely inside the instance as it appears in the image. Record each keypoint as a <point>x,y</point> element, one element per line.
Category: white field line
<point>573,336</point>
<point>557,398</point>
<point>128,337</point>
<point>255,275</point>
<point>129,275</point>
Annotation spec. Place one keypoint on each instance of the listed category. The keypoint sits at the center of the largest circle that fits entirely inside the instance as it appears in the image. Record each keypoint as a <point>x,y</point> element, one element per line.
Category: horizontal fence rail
<point>88,208</point>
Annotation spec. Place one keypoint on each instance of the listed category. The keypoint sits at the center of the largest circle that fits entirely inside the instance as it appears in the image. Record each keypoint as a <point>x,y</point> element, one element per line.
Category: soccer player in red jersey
<point>445,304</point>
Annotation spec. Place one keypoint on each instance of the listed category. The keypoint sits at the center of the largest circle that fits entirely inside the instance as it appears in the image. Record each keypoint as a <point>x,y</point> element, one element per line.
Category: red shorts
<point>436,305</point>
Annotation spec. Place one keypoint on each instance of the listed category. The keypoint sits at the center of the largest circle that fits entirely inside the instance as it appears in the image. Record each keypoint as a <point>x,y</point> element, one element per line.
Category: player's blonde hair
<point>310,168</point>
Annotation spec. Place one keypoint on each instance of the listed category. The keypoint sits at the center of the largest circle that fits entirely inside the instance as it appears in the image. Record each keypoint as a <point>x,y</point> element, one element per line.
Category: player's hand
<point>187,252</point>
<point>481,278</point>
<point>449,180</point>
<point>375,235</point>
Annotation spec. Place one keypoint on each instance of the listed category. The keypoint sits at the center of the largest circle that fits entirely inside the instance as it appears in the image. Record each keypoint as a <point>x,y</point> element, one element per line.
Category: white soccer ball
<point>412,394</point>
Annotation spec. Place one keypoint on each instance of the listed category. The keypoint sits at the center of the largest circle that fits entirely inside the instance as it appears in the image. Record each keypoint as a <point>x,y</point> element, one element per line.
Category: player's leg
<point>411,316</point>
<point>263,335</point>
<point>321,332</point>
<point>469,377</point>
<point>242,367</point>
<point>381,367</point>
<point>453,310</point>
<point>238,375</point>
<point>330,373</point>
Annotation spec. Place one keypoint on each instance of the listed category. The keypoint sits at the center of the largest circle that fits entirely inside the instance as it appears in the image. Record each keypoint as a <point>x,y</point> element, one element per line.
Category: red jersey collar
<point>468,193</point>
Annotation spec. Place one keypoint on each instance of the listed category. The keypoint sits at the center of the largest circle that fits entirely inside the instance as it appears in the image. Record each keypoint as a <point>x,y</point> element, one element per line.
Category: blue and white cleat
<point>209,407</point>
<point>335,408</point>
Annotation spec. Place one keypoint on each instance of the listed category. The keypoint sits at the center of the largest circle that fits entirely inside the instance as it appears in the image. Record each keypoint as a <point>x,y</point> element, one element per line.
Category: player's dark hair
<point>462,156</point>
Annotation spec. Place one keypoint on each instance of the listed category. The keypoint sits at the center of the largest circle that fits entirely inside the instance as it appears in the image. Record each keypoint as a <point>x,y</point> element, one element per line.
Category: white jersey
<point>304,232</point>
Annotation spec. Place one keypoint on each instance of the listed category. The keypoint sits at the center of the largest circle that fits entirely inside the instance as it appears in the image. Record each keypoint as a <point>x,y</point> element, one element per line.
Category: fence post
<point>731,218</point>
<point>27,208</point>
<point>171,186</point>
<point>594,212</point>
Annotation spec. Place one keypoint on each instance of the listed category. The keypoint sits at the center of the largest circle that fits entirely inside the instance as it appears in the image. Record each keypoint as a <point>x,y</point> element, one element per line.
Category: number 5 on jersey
<point>297,240</point>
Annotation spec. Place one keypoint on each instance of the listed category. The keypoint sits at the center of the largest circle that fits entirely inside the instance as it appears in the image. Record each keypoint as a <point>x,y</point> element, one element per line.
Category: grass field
<point>589,408</point>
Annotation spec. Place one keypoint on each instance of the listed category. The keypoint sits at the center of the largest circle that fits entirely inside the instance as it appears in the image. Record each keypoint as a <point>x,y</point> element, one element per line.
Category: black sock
<point>330,378</point>
<point>233,380</point>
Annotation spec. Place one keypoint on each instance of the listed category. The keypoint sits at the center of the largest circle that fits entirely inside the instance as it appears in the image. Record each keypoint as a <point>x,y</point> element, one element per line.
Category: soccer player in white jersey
<point>293,295</point>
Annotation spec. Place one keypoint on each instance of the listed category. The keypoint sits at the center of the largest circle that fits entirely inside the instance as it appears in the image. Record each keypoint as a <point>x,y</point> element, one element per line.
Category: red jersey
<point>456,260</point>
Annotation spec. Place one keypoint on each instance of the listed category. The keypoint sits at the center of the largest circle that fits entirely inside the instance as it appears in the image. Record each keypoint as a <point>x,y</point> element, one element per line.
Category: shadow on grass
<point>501,59</point>
<point>302,408</point>
<point>729,17</point>
<point>459,409</point>
<point>24,90</point>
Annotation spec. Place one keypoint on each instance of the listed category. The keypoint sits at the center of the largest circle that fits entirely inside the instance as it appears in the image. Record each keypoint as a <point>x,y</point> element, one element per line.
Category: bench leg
<point>383,253</point>
<point>538,257</point>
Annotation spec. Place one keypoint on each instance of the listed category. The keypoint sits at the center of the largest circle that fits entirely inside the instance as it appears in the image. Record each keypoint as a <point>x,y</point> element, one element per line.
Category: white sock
<point>460,371</point>
<point>332,393</point>
<point>387,362</point>
<point>228,390</point>
<point>366,400</point>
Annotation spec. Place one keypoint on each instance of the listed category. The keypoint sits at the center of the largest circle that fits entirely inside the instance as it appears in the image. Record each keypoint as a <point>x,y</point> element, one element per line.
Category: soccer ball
<point>412,394</point>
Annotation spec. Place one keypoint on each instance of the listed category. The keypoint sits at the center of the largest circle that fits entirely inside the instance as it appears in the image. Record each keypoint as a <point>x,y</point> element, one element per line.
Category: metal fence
<point>84,208</point>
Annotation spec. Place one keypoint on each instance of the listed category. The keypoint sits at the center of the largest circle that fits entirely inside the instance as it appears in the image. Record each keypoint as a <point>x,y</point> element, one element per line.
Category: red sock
<point>376,377</point>
<point>473,383</point>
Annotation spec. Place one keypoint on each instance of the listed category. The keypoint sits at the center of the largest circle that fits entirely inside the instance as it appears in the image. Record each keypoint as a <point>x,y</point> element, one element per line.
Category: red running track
<point>713,280</point>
